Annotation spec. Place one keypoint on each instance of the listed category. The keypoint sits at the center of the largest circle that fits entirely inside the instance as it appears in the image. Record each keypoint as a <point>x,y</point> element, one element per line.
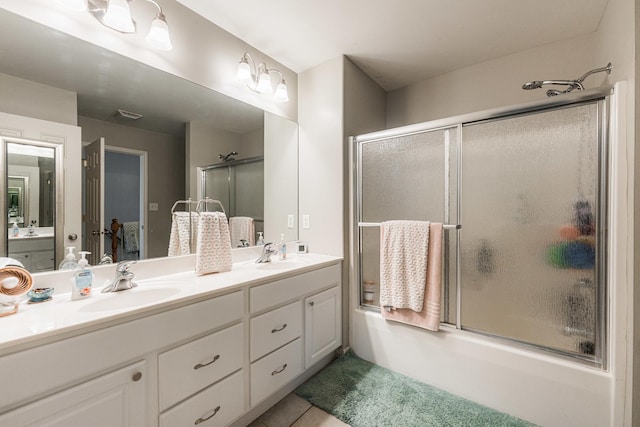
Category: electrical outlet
<point>153,207</point>
<point>290,221</point>
<point>305,222</point>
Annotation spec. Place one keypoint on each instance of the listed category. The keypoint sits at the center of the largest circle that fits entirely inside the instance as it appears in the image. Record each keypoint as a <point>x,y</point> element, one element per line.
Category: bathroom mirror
<point>33,171</point>
<point>105,82</point>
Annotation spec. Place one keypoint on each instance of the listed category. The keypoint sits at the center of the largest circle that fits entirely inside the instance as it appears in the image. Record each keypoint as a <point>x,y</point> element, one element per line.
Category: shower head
<point>536,84</point>
<point>228,157</point>
<point>570,84</point>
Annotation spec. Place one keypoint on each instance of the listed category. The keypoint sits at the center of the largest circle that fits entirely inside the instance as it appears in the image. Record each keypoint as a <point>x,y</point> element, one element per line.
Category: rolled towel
<point>213,253</point>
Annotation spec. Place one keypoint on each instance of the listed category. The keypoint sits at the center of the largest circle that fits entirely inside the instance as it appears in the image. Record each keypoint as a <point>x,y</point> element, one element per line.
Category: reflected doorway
<point>124,201</point>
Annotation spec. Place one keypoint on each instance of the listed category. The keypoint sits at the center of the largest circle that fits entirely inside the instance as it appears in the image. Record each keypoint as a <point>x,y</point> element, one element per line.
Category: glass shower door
<point>531,222</point>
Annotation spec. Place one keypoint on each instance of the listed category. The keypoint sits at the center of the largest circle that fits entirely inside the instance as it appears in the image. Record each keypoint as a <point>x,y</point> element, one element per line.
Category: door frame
<point>144,188</point>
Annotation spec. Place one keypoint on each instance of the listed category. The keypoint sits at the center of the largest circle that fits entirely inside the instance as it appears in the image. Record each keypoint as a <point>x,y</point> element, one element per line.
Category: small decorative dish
<point>37,295</point>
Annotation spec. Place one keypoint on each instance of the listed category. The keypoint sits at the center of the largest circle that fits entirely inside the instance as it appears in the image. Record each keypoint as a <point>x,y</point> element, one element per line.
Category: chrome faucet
<point>267,251</point>
<point>123,278</point>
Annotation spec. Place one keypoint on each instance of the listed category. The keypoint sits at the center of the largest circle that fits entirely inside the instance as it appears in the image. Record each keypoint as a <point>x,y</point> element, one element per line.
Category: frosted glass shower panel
<point>248,190</point>
<point>409,177</point>
<point>216,185</point>
<point>529,239</point>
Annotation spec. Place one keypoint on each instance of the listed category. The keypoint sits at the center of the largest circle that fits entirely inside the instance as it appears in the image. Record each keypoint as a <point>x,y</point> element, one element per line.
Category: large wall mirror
<point>184,126</point>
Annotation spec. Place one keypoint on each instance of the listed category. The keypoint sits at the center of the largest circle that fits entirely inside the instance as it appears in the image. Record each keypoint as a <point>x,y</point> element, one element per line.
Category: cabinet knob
<point>311,303</point>
<point>72,236</point>
<point>137,376</point>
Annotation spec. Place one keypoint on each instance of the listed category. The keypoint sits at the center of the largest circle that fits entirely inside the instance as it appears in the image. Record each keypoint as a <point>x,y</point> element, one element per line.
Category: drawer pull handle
<point>312,303</point>
<point>136,377</point>
<point>274,330</point>
<point>202,365</point>
<point>277,371</point>
<point>201,419</point>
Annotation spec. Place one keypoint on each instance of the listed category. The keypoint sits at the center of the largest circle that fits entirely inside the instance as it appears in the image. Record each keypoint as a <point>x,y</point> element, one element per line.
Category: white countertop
<point>163,284</point>
<point>40,233</point>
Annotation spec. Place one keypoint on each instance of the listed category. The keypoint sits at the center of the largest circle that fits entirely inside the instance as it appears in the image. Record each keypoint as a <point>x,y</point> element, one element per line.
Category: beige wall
<point>280,178</point>
<point>30,99</point>
<point>320,116</point>
<point>165,172</point>
<point>491,84</point>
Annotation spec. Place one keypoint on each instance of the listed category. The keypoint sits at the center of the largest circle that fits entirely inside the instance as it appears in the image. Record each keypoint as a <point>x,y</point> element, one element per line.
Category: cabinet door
<point>114,399</point>
<point>322,325</point>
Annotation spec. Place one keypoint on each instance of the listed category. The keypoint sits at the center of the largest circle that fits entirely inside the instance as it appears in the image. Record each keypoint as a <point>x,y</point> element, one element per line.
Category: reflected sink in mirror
<point>129,299</point>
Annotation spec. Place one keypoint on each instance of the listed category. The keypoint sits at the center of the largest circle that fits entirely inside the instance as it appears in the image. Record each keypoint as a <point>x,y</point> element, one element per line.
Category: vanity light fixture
<point>258,79</point>
<point>116,15</point>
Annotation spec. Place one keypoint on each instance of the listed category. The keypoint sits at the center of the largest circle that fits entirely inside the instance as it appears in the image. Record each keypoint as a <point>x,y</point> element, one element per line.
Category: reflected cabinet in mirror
<point>31,178</point>
<point>184,126</point>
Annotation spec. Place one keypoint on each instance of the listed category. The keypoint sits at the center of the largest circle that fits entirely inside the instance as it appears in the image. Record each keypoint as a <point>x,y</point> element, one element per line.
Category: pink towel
<point>429,317</point>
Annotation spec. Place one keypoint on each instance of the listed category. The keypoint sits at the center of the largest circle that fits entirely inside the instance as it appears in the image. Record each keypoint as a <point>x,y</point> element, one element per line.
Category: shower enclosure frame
<point>601,98</point>
<point>227,165</point>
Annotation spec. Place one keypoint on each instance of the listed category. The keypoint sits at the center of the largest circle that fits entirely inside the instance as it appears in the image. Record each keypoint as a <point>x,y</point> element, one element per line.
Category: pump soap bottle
<point>283,247</point>
<point>82,278</point>
<point>69,261</point>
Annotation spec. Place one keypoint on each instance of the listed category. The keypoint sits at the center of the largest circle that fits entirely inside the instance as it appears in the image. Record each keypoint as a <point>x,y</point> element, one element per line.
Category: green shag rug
<point>366,395</point>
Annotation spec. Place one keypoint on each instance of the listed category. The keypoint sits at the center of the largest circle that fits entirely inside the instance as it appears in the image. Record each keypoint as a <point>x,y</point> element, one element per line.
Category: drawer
<point>274,329</point>
<point>275,370</point>
<point>193,366</point>
<point>265,296</point>
<point>217,405</point>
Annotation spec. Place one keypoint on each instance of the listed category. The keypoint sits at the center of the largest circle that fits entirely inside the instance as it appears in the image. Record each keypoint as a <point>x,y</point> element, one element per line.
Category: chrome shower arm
<point>606,69</point>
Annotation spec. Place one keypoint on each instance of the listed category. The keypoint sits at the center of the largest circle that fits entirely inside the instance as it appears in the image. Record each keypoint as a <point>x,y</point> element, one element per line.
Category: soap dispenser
<point>260,241</point>
<point>15,230</point>
<point>82,278</point>
<point>283,247</point>
<point>69,261</point>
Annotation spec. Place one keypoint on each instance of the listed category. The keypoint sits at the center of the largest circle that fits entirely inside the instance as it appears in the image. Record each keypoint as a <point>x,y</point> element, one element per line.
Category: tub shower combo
<point>523,193</point>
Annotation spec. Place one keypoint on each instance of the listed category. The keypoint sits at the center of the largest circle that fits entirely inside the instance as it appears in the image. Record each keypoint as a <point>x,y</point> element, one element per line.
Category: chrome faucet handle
<point>266,253</point>
<point>123,266</point>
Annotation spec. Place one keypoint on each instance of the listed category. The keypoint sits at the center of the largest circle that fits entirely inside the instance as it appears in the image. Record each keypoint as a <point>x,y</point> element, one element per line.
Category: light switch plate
<point>153,207</point>
<point>290,221</point>
<point>305,221</point>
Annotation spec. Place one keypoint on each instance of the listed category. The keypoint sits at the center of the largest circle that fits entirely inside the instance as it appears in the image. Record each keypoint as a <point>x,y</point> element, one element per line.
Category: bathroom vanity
<point>176,350</point>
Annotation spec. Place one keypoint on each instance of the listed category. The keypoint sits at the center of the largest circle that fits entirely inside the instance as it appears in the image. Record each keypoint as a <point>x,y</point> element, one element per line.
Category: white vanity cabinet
<point>278,321</point>
<point>114,399</point>
<point>36,254</point>
<point>322,326</point>
<point>216,360</point>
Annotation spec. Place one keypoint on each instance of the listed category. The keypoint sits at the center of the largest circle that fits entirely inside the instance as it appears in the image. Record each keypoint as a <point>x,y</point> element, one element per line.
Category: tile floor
<point>293,411</point>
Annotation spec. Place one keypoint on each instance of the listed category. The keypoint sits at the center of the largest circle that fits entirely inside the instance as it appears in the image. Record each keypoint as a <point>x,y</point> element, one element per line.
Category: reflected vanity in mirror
<point>30,180</point>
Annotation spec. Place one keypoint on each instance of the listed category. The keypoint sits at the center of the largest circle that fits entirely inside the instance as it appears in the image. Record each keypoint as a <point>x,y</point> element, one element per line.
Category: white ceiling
<point>399,42</point>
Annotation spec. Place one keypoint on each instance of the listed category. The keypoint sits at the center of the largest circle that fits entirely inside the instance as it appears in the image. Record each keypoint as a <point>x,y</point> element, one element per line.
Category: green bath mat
<point>366,395</point>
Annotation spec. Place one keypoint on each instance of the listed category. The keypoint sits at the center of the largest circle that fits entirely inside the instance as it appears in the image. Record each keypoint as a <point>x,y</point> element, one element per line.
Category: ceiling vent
<point>128,114</point>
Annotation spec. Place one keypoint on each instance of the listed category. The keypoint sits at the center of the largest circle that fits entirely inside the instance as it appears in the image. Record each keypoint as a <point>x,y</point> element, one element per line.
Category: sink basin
<point>280,265</point>
<point>128,299</point>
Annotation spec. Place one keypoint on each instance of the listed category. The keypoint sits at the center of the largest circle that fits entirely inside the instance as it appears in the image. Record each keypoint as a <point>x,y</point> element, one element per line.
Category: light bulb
<point>118,16</point>
<point>158,35</point>
<point>281,95</point>
<point>264,83</point>
<point>243,75</point>
<point>79,5</point>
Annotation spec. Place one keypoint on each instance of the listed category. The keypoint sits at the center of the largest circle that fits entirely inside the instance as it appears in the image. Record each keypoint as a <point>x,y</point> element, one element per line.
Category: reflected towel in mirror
<point>183,232</point>
<point>242,228</point>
